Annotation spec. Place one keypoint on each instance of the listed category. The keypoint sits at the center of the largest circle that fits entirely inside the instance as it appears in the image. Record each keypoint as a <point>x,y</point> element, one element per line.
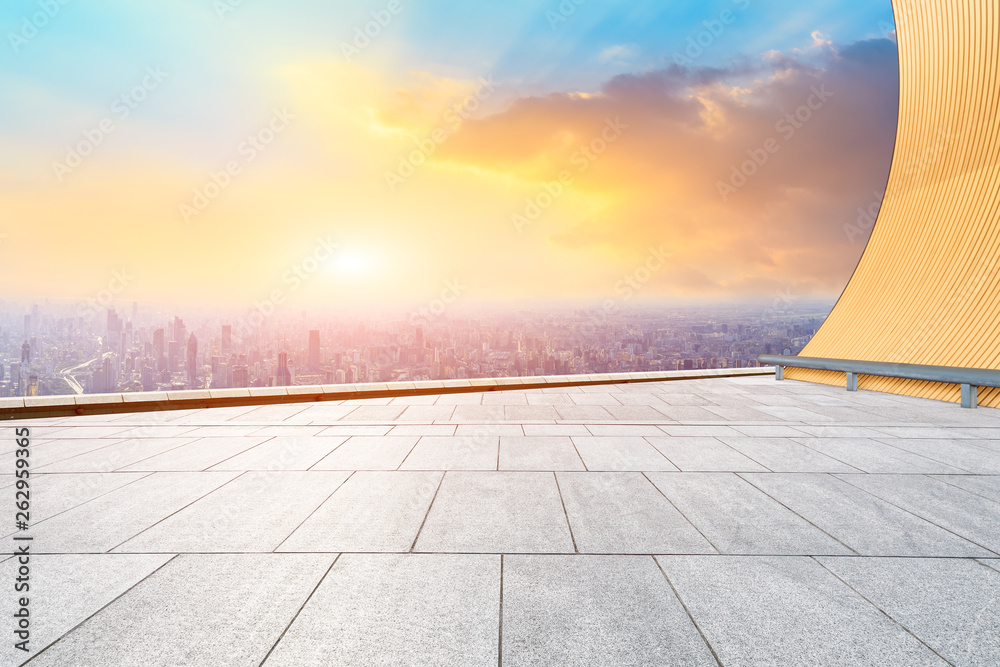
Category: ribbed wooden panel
<point>927,289</point>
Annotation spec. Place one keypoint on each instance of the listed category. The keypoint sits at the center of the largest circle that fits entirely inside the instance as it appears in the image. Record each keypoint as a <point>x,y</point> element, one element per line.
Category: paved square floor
<point>738,521</point>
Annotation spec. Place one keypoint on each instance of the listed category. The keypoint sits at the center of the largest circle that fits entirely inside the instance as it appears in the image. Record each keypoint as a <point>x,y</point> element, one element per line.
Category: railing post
<point>970,396</point>
<point>779,372</point>
<point>852,381</point>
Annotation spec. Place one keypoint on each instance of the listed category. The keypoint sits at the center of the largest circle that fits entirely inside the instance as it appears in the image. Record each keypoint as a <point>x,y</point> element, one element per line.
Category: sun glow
<point>351,263</point>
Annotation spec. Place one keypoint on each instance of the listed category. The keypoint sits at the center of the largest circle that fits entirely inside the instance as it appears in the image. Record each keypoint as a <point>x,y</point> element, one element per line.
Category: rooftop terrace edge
<point>39,407</point>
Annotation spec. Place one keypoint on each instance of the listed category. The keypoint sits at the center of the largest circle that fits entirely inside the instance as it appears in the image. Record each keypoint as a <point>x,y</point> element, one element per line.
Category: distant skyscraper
<point>114,324</point>
<point>227,338</point>
<point>178,330</point>
<point>105,378</point>
<point>314,350</point>
<point>218,373</point>
<point>148,382</point>
<point>25,352</point>
<point>158,359</point>
<point>192,362</point>
<point>173,351</point>
<point>282,378</point>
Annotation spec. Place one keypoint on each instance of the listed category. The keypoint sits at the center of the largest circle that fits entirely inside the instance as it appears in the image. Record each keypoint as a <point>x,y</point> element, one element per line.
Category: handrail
<point>970,379</point>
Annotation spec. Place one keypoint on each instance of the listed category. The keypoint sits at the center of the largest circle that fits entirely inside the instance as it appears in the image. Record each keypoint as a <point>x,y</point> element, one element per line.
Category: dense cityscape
<point>48,349</point>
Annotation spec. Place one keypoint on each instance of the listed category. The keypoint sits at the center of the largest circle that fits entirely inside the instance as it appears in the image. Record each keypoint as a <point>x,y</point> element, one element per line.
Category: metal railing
<point>969,378</point>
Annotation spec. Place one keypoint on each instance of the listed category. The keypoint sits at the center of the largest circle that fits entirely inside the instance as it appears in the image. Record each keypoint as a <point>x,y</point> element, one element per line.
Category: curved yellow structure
<point>927,289</point>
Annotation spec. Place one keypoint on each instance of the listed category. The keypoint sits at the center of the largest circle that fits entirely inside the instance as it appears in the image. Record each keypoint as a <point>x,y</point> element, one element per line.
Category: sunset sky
<point>215,150</point>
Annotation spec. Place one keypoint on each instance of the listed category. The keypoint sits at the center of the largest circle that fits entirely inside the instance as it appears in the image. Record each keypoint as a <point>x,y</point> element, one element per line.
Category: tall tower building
<point>114,326</point>
<point>314,350</point>
<point>240,376</point>
<point>25,352</point>
<point>227,338</point>
<point>180,331</point>
<point>173,351</point>
<point>192,362</point>
<point>158,359</point>
<point>148,380</point>
<point>282,378</point>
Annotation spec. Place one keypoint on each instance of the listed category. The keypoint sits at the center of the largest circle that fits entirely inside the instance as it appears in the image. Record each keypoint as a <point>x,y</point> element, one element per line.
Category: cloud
<point>654,184</point>
<point>692,129</point>
<point>619,53</point>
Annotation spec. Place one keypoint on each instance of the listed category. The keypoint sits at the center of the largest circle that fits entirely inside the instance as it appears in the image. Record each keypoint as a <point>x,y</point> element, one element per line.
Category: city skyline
<point>64,352</point>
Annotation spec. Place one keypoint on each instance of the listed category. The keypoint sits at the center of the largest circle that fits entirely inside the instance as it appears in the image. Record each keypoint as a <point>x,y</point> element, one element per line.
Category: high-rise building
<point>105,378</point>
<point>314,350</point>
<point>173,351</point>
<point>241,376</point>
<point>282,378</point>
<point>158,349</point>
<point>148,381</point>
<point>227,338</point>
<point>114,325</point>
<point>192,362</point>
<point>178,330</point>
<point>218,373</point>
